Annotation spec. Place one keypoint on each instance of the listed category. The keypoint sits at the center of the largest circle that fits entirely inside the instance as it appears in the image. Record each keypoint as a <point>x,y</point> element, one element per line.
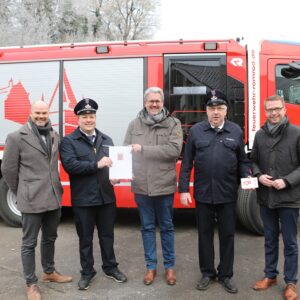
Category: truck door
<point>284,80</point>
<point>188,78</point>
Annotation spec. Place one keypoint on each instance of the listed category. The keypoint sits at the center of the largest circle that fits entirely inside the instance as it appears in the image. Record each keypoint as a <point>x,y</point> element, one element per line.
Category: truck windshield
<point>288,83</point>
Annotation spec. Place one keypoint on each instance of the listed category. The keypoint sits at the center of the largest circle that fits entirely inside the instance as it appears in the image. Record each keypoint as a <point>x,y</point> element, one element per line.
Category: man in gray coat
<point>276,164</point>
<point>30,169</point>
<point>156,141</point>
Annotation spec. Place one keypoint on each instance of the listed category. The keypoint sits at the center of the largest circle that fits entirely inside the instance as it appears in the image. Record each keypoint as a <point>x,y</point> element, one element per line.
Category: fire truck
<point>116,74</point>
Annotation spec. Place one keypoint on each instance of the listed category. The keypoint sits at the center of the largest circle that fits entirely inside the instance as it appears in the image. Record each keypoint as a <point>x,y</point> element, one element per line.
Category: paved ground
<point>248,265</point>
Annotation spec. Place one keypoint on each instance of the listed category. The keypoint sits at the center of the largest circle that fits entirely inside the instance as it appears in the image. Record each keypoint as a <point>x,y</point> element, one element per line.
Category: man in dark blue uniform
<point>215,148</point>
<point>84,155</point>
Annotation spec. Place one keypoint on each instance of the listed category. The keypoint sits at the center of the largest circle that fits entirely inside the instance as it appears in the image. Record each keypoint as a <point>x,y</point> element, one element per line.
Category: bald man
<point>30,169</point>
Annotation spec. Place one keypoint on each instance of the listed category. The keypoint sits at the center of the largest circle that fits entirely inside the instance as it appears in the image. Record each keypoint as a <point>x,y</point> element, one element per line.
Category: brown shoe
<point>290,292</point>
<point>33,292</point>
<point>149,277</point>
<point>170,277</point>
<point>56,277</point>
<point>264,284</point>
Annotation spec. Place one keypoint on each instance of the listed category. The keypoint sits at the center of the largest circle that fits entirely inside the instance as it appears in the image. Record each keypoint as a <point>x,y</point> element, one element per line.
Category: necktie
<point>91,138</point>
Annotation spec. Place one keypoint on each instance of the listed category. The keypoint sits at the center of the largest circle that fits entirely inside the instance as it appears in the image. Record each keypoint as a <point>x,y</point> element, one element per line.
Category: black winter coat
<point>90,186</point>
<point>219,161</point>
<point>278,157</point>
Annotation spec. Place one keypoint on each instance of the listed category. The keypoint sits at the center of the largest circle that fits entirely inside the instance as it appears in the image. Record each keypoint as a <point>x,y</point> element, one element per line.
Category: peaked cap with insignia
<point>86,106</point>
<point>215,98</point>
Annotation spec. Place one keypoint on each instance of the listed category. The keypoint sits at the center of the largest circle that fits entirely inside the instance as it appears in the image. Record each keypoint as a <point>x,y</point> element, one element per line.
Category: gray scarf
<point>151,120</point>
<point>276,129</point>
<point>45,131</point>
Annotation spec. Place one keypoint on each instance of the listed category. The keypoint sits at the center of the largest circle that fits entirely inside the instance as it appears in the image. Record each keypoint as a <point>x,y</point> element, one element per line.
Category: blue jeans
<point>288,218</point>
<point>158,208</point>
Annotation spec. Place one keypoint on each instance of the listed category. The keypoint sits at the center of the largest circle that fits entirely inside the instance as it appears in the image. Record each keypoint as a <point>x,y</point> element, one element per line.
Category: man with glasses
<point>215,148</point>
<point>156,141</point>
<point>276,164</point>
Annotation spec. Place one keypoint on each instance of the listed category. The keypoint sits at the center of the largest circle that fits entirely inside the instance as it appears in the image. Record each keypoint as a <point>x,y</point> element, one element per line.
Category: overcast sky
<point>215,19</point>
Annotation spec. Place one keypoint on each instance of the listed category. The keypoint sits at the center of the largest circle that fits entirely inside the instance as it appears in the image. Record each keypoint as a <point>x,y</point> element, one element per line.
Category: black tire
<point>8,206</point>
<point>248,211</point>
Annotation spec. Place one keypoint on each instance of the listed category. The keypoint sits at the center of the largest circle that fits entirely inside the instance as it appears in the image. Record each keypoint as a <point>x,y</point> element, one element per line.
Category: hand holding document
<point>121,157</point>
<point>249,183</point>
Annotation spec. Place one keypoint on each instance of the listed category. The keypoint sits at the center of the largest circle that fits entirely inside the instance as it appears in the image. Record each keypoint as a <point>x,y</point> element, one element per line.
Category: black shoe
<point>229,285</point>
<point>84,281</point>
<point>116,275</point>
<point>204,282</point>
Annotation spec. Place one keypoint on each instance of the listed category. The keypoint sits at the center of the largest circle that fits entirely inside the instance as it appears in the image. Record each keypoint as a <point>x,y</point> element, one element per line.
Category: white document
<point>249,183</point>
<point>121,162</point>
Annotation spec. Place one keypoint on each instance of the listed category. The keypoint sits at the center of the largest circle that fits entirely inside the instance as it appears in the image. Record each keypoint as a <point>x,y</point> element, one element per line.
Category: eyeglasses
<point>275,109</point>
<point>154,102</point>
<point>215,108</point>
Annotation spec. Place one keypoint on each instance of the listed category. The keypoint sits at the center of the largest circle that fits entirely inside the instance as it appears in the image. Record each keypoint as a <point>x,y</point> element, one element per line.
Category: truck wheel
<point>8,206</point>
<point>248,211</point>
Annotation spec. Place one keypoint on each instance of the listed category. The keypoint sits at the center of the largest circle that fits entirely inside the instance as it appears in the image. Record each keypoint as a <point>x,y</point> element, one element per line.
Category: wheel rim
<point>12,203</point>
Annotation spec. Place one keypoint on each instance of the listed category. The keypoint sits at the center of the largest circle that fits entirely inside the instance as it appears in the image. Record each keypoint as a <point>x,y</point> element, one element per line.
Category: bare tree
<point>125,19</point>
<point>70,23</point>
<point>5,21</point>
<point>29,22</point>
<point>51,21</point>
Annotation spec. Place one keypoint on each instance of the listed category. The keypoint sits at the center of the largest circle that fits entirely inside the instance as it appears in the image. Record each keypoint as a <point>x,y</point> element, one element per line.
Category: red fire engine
<point>117,73</point>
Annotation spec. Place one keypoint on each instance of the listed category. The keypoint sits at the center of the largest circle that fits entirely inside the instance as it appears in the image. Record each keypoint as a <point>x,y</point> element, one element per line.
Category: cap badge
<point>214,97</point>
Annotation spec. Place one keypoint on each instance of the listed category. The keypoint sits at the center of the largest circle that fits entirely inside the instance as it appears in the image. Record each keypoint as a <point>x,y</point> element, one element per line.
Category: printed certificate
<point>249,183</point>
<point>121,157</point>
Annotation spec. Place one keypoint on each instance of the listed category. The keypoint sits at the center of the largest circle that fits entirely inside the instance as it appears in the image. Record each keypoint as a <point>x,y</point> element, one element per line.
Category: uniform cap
<point>215,98</point>
<point>86,106</point>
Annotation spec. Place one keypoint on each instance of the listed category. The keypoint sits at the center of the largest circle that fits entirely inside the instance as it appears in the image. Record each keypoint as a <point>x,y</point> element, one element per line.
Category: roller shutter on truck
<point>116,84</point>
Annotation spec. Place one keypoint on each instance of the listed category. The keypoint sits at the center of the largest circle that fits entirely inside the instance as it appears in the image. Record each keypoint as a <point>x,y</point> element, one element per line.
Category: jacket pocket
<point>162,138</point>
<point>230,144</point>
<point>202,144</point>
<point>202,150</point>
<point>294,155</point>
<point>167,173</point>
<point>31,189</point>
<point>137,137</point>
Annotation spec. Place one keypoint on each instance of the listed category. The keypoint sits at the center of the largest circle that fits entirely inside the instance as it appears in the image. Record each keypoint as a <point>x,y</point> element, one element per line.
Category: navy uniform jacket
<point>89,185</point>
<point>219,161</point>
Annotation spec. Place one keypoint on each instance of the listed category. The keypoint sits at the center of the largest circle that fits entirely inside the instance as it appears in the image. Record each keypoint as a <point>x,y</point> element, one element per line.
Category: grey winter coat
<point>29,172</point>
<point>279,157</point>
<point>154,169</point>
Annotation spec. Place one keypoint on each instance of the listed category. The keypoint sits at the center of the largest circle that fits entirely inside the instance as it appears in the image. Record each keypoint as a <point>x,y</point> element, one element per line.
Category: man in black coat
<point>276,164</point>
<point>215,148</point>
<point>84,155</point>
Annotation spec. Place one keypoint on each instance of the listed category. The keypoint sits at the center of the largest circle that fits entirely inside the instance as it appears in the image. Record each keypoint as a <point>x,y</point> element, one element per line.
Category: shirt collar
<point>220,127</point>
<point>93,134</point>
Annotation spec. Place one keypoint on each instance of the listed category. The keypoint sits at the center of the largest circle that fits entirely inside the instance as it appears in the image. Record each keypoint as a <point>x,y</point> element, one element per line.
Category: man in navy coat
<point>84,155</point>
<point>215,148</point>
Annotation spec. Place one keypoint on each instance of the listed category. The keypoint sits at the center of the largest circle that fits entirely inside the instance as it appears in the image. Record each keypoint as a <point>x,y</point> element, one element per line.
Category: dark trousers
<point>288,219</point>
<point>206,215</point>
<point>31,225</point>
<point>103,217</point>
